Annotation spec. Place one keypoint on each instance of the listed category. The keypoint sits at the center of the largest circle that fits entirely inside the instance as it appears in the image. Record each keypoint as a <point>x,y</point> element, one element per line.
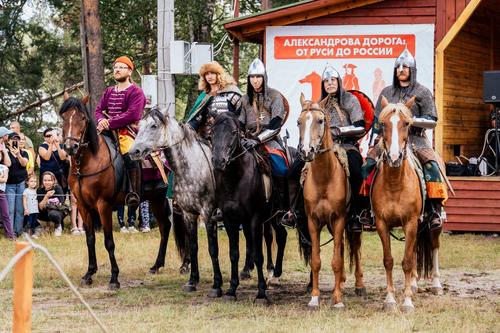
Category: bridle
<point>402,151</point>
<point>235,146</point>
<point>326,127</point>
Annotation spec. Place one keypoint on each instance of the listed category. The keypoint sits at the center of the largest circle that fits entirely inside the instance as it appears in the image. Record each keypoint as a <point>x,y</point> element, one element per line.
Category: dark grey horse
<point>194,185</point>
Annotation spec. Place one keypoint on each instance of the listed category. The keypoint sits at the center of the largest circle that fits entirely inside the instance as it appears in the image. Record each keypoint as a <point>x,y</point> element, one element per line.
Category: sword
<point>287,152</point>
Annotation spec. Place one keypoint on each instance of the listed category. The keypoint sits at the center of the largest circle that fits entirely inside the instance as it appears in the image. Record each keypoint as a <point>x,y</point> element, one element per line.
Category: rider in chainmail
<point>219,94</point>
<point>262,111</point>
<point>404,87</point>
<point>347,125</point>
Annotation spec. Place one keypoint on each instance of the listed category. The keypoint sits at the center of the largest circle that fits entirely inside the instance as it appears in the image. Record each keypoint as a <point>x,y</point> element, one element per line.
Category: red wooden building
<point>467,42</point>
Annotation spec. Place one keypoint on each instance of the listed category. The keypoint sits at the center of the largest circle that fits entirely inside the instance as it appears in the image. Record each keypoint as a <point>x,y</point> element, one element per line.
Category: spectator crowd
<point>34,192</point>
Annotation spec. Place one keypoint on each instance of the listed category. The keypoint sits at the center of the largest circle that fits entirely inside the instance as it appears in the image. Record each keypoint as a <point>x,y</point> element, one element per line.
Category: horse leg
<point>410,230</point>
<point>90,237</point>
<point>281,236</point>
<point>158,205</point>
<point>249,260</point>
<point>359,286</point>
<point>338,261</point>
<point>257,229</point>
<point>192,227</point>
<point>383,232</point>
<point>437,289</point>
<point>314,231</point>
<point>213,249</point>
<point>232,229</point>
<point>268,237</point>
<point>414,275</point>
<point>105,212</point>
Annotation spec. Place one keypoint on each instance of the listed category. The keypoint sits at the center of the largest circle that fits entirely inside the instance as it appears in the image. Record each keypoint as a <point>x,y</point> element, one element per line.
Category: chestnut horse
<point>92,181</point>
<point>397,201</point>
<point>326,199</point>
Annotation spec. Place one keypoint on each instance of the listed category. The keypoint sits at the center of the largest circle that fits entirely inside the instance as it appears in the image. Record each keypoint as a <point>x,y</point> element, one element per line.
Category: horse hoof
<point>414,289</point>
<point>85,282</point>
<point>154,270</point>
<point>360,291</point>
<point>437,291</point>
<point>339,306</point>
<point>390,307</point>
<point>215,293</point>
<point>261,301</point>
<point>273,281</point>
<point>407,308</point>
<point>313,303</point>
<point>114,286</point>
<point>184,270</point>
<point>229,298</point>
<point>189,287</point>
<point>245,275</point>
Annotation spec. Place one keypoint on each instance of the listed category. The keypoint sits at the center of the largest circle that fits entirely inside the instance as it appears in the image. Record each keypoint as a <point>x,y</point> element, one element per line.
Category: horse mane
<point>156,113</point>
<point>225,115</point>
<point>399,108</point>
<point>91,131</point>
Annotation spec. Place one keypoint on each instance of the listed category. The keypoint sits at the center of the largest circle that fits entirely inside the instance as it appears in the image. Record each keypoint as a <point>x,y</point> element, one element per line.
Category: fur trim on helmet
<point>223,78</point>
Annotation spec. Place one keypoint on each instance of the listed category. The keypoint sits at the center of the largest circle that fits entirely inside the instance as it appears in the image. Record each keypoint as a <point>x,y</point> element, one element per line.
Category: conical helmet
<point>329,73</point>
<point>405,59</point>
<point>257,68</point>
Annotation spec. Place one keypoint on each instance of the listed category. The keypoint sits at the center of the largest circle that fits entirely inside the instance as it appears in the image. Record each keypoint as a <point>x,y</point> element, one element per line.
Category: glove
<point>335,130</point>
<point>249,143</point>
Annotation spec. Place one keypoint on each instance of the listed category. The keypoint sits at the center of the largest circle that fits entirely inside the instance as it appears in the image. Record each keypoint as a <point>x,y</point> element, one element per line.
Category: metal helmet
<point>405,59</point>
<point>329,73</point>
<point>257,68</point>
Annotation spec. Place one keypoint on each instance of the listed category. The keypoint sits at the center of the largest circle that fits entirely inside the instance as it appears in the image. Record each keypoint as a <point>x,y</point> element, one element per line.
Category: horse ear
<point>384,102</point>
<point>65,95</point>
<point>85,99</point>
<point>409,103</point>
<point>302,99</point>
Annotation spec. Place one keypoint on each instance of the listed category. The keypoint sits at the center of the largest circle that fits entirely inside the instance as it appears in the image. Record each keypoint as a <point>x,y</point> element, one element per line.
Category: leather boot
<point>134,175</point>
<point>288,219</point>
<point>433,213</point>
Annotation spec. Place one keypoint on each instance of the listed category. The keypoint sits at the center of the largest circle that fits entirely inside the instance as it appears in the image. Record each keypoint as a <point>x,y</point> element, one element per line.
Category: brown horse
<point>326,199</point>
<point>92,181</point>
<point>397,201</point>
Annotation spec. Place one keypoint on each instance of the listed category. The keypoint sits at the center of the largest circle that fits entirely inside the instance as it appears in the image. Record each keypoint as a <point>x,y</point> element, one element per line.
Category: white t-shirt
<point>3,170</point>
<point>31,201</point>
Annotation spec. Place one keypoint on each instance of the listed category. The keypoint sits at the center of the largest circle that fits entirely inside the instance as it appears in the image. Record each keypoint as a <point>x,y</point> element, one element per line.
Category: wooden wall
<point>466,117</point>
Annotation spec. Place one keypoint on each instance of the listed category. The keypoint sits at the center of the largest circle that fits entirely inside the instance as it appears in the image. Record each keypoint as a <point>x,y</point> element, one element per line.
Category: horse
<point>240,196</point>
<point>326,199</point>
<point>397,201</point>
<point>92,181</point>
<point>194,183</point>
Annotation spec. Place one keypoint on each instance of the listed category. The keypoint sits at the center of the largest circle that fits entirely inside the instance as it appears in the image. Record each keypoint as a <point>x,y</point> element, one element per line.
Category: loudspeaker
<point>491,89</point>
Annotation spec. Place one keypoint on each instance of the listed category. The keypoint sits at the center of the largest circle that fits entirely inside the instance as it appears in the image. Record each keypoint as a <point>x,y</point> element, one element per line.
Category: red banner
<point>342,47</point>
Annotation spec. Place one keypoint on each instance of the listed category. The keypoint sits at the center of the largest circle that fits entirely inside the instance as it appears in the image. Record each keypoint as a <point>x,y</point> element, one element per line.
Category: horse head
<point>151,135</point>
<point>78,126</point>
<point>225,139</point>
<point>313,124</point>
<point>395,121</point>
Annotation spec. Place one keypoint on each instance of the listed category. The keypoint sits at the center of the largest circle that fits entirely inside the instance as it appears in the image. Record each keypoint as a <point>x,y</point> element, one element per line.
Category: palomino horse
<point>326,199</point>
<point>194,183</point>
<point>92,181</point>
<point>240,196</point>
<point>397,201</point>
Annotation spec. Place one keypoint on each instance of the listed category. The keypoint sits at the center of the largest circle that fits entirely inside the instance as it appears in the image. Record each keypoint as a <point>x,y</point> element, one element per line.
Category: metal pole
<point>236,46</point>
<point>166,88</point>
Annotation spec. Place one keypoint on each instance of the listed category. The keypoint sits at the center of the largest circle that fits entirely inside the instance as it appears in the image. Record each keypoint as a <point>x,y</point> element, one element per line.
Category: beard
<point>121,79</point>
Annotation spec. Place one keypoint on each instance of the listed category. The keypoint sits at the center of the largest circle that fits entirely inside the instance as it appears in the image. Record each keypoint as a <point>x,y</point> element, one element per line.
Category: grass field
<point>470,268</point>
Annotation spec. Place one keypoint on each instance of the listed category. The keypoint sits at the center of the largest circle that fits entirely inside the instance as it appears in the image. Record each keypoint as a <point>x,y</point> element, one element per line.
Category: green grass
<point>470,269</point>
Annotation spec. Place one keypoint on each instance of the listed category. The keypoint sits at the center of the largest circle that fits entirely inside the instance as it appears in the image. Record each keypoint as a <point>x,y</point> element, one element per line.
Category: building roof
<point>252,27</point>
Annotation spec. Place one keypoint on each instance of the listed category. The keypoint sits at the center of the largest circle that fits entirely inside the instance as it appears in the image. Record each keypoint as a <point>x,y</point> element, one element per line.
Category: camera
<point>14,144</point>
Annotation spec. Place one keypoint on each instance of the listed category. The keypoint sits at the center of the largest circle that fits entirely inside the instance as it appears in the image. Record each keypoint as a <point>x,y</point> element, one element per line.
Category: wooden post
<point>23,287</point>
<point>236,47</point>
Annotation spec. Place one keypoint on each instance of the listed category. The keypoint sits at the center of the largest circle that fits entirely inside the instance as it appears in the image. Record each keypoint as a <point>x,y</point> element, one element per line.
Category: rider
<point>119,109</point>
<point>261,114</point>
<point>404,87</point>
<point>347,125</point>
<point>219,94</point>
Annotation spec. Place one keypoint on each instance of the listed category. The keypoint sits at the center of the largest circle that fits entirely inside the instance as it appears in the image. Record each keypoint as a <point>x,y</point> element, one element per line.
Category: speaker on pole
<point>491,87</point>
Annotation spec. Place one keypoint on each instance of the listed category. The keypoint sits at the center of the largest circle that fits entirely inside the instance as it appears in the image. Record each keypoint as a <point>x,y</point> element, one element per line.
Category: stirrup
<point>366,218</point>
<point>132,199</point>
<point>354,225</point>
<point>289,219</point>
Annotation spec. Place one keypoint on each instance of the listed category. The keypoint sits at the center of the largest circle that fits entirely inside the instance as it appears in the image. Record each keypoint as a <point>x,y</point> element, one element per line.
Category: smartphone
<point>14,144</point>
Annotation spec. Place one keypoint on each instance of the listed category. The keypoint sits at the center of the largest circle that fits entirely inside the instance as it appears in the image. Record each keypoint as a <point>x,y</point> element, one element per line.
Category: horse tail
<point>304,237</point>
<point>353,243</point>
<point>424,251</point>
<point>180,234</point>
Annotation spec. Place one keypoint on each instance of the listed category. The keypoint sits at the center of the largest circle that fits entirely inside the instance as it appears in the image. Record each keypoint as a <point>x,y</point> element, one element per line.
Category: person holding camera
<point>52,156</point>
<point>16,182</point>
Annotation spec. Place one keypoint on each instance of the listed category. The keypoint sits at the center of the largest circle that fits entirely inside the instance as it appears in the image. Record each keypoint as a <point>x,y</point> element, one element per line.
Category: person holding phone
<point>52,155</point>
<point>16,182</point>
